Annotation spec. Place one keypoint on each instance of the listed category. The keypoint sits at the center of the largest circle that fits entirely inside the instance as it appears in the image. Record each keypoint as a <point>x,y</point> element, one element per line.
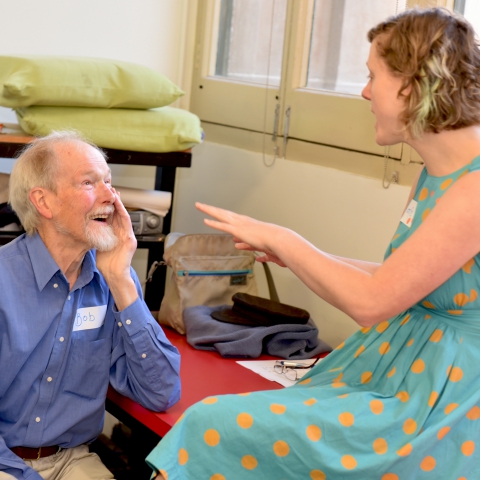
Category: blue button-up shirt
<point>59,348</point>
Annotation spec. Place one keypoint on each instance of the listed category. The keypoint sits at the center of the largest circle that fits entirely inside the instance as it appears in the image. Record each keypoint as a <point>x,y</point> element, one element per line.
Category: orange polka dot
<point>310,402</point>
<point>244,420</point>
<point>211,437</point>
<point>467,268</point>
<point>442,432</point>
<point>389,476</point>
<point>349,462</point>
<point>217,476</point>
<point>249,462</point>
<point>182,456</point>
<point>474,413</point>
<point>427,317</point>
<point>340,346</point>
<point>338,378</point>
<point>210,400</point>
<point>245,394</point>
<point>409,426</point>
<point>335,369</point>
<point>403,396</point>
<point>359,351</point>
<point>468,448</point>
<point>281,448</point>
<point>382,326</point>
<point>384,348</point>
<point>455,312</point>
<point>317,475</point>
<point>426,213</point>
<point>456,374</point>
<point>418,366</point>
<point>450,408</point>
<point>366,377</point>
<point>428,304</point>
<point>376,406</point>
<point>380,446</point>
<point>365,329</point>
<point>432,399</point>
<point>278,409</point>
<point>423,194</point>
<point>391,373</point>
<point>473,295</point>
<point>446,184</point>
<point>338,384</point>
<point>304,382</point>
<point>344,395</point>
<point>436,336</point>
<point>405,320</point>
<point>461,299</point>
<point>314,433</point>
<point>410,342</point>
<point>428,464</point>
<point>164,474</point>
<point>346,419</point>
<point>405,450</point>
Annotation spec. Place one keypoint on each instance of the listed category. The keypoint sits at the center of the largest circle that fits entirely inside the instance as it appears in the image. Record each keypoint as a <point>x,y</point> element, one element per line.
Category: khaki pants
<point>69,464</point>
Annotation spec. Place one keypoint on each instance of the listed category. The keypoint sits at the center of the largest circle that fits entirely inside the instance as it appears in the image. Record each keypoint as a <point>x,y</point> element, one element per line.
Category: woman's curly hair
<point>437,55</point>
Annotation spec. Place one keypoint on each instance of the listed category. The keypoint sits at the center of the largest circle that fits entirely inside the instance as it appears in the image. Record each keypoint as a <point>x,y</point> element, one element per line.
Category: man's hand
<point>115,264</point>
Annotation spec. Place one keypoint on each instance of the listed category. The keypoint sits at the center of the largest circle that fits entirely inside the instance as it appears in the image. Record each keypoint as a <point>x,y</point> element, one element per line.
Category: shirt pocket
<point>88,367</point>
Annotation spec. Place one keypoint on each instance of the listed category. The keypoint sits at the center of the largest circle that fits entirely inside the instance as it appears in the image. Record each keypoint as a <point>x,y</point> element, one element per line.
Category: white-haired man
<point>72,318</point>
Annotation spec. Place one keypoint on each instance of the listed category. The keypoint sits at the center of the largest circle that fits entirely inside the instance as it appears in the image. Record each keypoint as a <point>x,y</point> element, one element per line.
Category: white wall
<point>339,212</point>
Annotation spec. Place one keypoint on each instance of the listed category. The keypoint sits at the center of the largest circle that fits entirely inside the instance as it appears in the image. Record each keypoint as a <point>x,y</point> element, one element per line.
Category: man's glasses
<point>292,370</point>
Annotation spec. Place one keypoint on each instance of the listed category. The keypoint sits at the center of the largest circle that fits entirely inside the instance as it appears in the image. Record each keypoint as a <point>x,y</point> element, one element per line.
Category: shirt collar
<point>45,267</point>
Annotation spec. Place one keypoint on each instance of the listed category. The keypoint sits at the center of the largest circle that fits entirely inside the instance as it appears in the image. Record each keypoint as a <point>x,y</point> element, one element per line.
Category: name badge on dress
<point>407,217</point>
<point>89,317</point>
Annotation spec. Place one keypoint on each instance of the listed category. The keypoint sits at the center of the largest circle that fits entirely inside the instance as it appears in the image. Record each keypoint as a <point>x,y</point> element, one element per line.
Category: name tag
<point>89,317</point>
<point>407,217</point>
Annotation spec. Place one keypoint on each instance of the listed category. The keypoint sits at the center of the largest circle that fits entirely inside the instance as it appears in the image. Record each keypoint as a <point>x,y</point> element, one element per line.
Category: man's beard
<point>102,239</point>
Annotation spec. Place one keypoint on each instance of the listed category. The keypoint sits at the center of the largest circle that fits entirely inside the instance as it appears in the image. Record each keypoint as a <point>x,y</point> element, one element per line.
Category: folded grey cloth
<point>291,341</point>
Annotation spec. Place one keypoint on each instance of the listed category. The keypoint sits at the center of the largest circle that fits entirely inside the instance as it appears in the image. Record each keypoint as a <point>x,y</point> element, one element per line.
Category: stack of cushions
<point>114,104</point>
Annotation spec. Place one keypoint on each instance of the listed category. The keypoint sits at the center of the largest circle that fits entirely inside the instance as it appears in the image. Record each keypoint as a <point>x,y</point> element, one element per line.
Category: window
<point>292,69</point>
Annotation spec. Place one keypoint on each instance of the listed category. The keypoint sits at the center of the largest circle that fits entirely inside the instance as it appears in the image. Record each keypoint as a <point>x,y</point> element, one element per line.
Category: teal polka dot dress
<point>398,401</point>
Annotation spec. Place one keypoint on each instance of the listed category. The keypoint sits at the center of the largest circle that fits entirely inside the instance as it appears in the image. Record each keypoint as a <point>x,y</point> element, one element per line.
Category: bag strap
<point>272,290</point>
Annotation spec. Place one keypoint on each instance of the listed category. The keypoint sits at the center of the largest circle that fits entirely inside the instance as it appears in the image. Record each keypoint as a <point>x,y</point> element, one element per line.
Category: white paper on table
<point>155,201</point>
<point>264,368</point>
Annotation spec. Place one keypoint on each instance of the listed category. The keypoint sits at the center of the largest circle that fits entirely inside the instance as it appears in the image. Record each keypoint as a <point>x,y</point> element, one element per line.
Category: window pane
<point>339,46</point>
<point>250,40</point>
<point>472,14</point>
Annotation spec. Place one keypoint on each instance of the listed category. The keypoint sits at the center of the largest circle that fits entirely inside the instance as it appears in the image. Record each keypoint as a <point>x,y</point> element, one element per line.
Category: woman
<point>400,399</point>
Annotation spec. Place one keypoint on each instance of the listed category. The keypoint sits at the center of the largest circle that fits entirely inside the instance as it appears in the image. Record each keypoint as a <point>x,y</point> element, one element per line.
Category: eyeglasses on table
<point>292,370</point>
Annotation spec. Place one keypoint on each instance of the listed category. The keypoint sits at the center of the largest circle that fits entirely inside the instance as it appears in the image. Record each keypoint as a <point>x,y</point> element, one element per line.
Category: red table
<point>203,374</point>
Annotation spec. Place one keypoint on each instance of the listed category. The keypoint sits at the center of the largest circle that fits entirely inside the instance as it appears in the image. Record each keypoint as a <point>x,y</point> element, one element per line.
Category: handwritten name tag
<point>89,317</point>
<point>407,217</point>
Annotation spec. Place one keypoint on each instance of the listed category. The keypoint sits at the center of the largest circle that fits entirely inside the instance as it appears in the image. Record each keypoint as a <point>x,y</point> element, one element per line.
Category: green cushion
<point>165,129</point>
<point>82,82</point>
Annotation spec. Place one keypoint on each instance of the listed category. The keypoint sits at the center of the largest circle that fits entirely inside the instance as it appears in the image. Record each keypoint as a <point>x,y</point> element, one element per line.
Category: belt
<point>28,453</point>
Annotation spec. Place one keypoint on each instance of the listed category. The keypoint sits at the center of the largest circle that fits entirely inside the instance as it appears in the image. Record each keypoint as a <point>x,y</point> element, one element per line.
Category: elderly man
<point>71,315</point>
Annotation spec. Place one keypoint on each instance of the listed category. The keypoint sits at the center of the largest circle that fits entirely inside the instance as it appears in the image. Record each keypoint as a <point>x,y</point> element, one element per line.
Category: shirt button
<point>37,419</point>
<point>49,379</point>
<point>55,285</point>
<point>144,355</point>
<point>119,324</point>
<point>128,322</point>
<point>61,339</point>
<point>68,297</point>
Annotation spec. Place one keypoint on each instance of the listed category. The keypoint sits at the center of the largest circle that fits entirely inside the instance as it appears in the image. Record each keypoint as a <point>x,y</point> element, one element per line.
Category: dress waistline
<point>468,321</point>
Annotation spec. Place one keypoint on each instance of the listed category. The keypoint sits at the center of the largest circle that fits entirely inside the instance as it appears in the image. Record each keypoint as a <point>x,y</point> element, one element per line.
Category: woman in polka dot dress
<point>400,399</point>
